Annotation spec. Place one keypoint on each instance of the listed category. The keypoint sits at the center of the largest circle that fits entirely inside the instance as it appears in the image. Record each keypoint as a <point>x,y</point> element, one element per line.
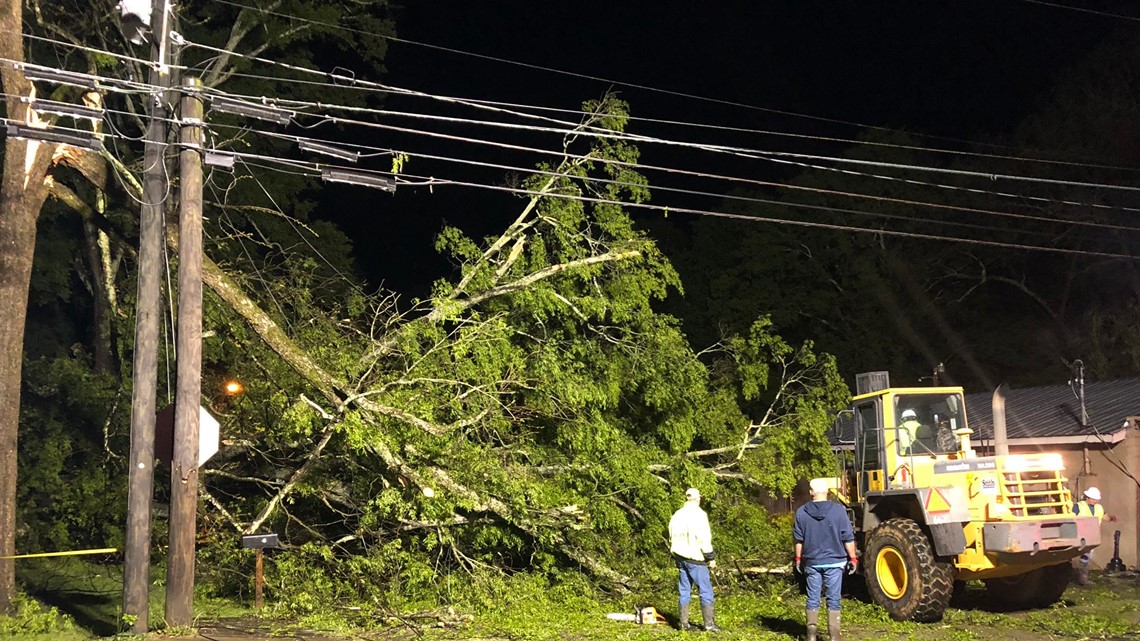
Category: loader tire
<point>1038,588</point>
<point>903,574</point>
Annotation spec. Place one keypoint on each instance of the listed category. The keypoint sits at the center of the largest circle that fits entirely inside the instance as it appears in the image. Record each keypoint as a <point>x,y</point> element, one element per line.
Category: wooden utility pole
<point>187,404</point>
<point>136,570</point>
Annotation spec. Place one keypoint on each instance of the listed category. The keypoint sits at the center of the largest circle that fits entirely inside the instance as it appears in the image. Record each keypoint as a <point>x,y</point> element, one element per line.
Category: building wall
<point>1119,492</point>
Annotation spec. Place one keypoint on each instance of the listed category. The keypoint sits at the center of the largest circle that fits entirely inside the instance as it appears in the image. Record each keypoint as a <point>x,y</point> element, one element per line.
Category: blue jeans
<point>817,577</point>
<point>694,573</point>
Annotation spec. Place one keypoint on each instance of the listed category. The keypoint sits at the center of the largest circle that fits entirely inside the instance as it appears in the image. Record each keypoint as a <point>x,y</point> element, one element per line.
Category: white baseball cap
<point>692,493</point>
<point>819,486</point>
<point>1092,493</point>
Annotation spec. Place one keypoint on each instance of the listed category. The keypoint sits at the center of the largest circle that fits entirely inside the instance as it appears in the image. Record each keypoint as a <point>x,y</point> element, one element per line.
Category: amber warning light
<point>233,388</point>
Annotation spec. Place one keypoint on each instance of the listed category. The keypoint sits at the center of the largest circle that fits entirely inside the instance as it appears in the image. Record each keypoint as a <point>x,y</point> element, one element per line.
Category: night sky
<point>950,69</point>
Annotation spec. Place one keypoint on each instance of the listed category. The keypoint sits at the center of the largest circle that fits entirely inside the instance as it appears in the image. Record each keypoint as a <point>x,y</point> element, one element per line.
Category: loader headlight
<point>997,511</point>
<point>1050,461</point>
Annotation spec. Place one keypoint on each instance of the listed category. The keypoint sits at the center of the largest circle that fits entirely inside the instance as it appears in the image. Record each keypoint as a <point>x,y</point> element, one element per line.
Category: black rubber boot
<point>812,624</point>
<point>683,618</point>
<point>709,612</point>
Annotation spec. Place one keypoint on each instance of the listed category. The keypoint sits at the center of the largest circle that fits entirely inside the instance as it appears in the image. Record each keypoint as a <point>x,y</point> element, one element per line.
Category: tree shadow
<point>93,611</point>
<point>86,592</point>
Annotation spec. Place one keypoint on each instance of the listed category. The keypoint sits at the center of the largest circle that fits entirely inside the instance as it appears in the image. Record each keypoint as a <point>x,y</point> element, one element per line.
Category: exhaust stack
<point>1001,443</point>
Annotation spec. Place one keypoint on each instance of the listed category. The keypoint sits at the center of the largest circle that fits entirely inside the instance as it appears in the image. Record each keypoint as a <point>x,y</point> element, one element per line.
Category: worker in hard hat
<point>907,430</point>
<point>1089,505</point>
<point>690,542</point>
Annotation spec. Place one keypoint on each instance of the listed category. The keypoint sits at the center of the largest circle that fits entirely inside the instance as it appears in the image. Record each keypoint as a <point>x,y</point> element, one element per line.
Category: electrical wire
<point>762,183</point>
<point>666,209</point>
<point>1058,5</point>
<point>795,205</point>
<point>789,186</point>
<point>289,219</point>
<point>612,82</point>
<point>747,181</point>
<point>103,52</point>
<point>575,128</point>
<point>771,156</point>
<point>473,102</point>
<point>756,182</point>
<point>858,195</point>
<point>746,199</point>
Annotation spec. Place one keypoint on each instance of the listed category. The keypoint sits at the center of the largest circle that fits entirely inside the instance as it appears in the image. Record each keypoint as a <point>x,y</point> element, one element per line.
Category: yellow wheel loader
<point>930,513</point>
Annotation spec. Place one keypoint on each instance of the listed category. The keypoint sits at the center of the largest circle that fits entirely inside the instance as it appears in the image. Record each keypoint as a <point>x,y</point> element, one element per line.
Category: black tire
<point>903,574</point>
<point>1038,588</point>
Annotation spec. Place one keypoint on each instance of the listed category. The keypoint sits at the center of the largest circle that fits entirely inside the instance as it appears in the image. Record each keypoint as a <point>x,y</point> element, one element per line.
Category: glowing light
<point>1051,461</point>
<point>233,388</point>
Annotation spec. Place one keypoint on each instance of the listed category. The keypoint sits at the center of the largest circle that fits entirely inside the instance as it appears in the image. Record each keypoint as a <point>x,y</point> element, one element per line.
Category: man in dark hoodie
<point>825,546</point>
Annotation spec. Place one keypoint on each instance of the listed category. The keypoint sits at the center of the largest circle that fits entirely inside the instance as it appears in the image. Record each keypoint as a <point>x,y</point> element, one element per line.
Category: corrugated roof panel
<point>1054,411</point>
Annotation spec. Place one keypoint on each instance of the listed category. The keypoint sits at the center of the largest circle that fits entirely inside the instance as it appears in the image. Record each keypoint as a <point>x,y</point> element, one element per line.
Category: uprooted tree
<point>534,414</point>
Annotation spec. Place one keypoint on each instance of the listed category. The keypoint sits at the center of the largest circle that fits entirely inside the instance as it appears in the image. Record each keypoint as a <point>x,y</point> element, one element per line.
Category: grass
<point>79,600</point>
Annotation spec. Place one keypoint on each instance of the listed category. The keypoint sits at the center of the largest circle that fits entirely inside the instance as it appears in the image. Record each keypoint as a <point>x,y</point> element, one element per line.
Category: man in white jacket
<point>690,541</point>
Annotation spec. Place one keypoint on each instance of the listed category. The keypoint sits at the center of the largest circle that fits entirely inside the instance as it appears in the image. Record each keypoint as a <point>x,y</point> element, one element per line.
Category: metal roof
<point>1055,411</point>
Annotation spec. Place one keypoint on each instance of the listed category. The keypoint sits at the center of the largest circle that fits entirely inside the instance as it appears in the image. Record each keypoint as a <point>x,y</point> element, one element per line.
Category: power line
<point>727,178</point>
<point>765,183</point>
<point>773,155</point>
<point>476,102</point>
<point>121,56</point>
<point>748,181</point>
<point>610,81</point>
<point>691,192</point>
<point>745,152</point>
<point>666,209</point>
<point>1058,5</point>
<point>802,223</point>
<point>721,177</point>
<point>635,138</point>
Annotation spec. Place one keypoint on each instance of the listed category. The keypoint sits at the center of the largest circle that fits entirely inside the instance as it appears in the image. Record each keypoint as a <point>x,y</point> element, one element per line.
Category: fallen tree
<point>535,414</point>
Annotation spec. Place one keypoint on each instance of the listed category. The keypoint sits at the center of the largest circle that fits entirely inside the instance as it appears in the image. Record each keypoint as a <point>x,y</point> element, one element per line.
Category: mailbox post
<point>259,543</point>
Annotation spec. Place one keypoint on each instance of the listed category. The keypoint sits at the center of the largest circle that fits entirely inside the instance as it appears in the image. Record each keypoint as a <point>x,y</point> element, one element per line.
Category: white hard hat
<point>1092,493</point>
<point>909,414</point>
<point>692,493</point>
<point>819,486</point>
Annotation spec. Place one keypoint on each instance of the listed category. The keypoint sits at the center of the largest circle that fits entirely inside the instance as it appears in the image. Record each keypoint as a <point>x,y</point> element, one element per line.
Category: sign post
<point>259,542</point>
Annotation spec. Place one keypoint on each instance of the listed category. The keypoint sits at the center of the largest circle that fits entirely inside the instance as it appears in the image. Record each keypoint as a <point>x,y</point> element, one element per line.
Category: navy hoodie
<point>823,528</point>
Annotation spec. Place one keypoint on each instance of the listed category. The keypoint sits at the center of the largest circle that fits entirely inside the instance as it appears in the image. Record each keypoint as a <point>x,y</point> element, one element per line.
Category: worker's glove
<point>852,565</point>
<point>799,565</point>
<point>712,564</point>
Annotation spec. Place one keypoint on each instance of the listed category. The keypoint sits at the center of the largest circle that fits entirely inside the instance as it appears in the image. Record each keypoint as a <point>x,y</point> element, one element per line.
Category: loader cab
<point>888,449</point>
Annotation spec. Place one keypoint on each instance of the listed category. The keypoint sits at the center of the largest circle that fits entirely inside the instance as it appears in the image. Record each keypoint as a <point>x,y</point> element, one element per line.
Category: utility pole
<point>136,570</point>
<point>184,462</point>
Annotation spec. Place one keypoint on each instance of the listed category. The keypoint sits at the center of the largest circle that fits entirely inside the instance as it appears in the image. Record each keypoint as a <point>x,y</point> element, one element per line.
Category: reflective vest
<point>1082,508</point>
<point>689,534</point>
<point>907,431</point>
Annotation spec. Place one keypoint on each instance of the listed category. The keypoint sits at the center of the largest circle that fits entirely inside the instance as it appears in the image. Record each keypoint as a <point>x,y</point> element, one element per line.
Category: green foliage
<point>542,411</point>
<point>32,618</point>
<point>73,429</point>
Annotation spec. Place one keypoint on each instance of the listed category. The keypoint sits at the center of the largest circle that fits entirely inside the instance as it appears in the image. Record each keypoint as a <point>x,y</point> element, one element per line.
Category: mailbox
<point>260,541</point>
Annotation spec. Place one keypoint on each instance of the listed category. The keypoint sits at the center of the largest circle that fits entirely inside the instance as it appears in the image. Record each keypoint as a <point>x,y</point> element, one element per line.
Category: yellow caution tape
<point>68,553</point>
